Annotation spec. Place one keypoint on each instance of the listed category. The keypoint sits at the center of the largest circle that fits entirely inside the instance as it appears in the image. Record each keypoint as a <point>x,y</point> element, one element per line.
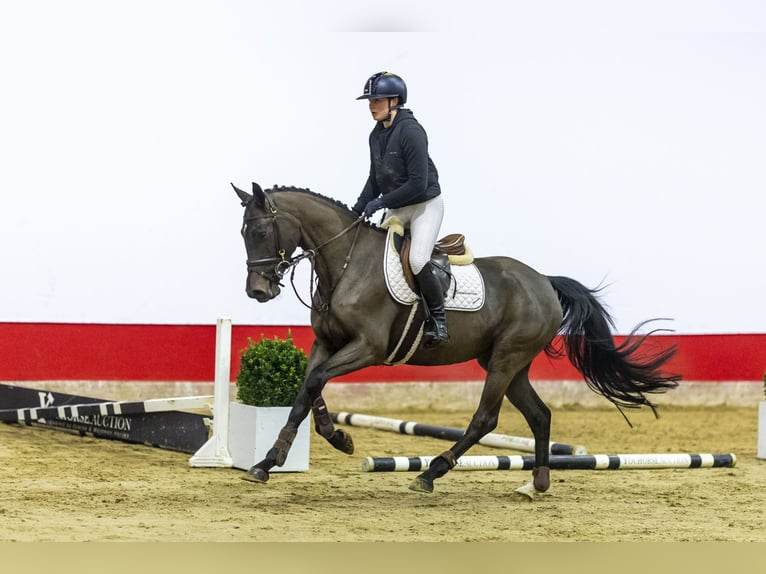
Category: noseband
<point>283,264</point>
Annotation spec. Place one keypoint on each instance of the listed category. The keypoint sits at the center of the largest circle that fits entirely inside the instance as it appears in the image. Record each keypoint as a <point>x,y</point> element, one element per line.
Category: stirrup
<point>435,334</point>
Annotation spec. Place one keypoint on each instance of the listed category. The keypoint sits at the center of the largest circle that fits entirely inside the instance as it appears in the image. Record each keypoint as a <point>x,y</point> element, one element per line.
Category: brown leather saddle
<point>453,244</point>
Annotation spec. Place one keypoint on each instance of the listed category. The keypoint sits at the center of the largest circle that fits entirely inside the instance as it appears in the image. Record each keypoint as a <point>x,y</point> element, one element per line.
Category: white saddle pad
<point>467,295</point>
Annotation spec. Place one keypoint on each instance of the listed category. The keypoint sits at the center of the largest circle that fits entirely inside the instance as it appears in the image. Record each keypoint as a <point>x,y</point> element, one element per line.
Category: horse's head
<point>270,239</point>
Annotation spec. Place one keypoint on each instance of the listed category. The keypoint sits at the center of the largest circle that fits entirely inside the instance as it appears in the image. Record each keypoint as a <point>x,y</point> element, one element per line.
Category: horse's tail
<point>621,373</point>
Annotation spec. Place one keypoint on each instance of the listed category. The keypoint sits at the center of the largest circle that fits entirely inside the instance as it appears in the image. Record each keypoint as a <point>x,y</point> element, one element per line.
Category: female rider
<point>403,179</point>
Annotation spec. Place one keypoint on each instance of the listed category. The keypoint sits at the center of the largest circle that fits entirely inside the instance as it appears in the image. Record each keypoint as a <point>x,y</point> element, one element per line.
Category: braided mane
<point>331,200</point>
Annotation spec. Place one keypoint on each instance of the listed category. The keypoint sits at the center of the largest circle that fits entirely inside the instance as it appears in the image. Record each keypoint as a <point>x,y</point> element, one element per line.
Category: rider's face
<point>379,108</point>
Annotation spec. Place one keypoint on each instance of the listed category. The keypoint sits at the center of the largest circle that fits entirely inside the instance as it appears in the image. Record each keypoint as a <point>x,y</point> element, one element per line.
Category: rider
<point>403,179</point>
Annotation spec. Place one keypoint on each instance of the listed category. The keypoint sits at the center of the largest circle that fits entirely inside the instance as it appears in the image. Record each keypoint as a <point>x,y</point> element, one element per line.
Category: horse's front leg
<point>354,356</point>
<point>324,426</point>
<point>277,455</point>
<point>323,365</point>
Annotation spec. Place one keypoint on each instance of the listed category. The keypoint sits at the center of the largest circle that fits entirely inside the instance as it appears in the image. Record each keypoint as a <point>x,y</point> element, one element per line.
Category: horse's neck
<point>320,220</point>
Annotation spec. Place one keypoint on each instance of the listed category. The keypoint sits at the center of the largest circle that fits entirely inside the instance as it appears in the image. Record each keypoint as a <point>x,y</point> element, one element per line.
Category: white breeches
<point>424,221</point>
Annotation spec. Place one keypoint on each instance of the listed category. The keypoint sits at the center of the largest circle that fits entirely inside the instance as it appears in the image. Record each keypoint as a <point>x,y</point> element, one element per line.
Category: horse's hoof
<point>420,484</point>
<point>342,441</point>
<point>256,474</point>
<point>528,491</point>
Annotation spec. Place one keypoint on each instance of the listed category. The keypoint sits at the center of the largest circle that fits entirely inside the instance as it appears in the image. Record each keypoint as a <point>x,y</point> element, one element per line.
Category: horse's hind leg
<point>538,417</point>
<point>484,420</point>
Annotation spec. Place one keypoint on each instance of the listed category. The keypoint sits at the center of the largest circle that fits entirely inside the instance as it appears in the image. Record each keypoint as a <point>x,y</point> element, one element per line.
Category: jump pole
<point>556,462</point>
<point>215,452</point>
<point>412,428</point>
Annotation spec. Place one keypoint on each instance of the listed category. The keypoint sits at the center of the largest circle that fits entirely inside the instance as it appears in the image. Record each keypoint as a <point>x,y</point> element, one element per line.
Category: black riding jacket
<point>401,171</point>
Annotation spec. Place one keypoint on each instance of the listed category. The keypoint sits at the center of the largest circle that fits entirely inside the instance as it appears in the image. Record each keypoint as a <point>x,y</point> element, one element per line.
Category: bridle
<point>282,263</point>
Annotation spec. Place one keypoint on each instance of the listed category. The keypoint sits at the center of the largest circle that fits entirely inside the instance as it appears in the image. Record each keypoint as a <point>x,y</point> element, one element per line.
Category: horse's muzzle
<point>261,289</point>
<point>260,296</point>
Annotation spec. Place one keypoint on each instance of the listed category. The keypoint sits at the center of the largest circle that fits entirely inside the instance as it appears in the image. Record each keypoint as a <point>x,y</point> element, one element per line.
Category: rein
<point>310,256</point>
<point>284,264</point>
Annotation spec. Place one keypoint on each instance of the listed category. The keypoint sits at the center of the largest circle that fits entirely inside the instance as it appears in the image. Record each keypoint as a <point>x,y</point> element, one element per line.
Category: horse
<point>356,324</point>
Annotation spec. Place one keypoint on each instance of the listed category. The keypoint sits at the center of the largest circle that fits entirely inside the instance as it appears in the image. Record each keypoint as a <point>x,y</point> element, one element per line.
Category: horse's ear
<point>258,195</point>
<point>243,195</point>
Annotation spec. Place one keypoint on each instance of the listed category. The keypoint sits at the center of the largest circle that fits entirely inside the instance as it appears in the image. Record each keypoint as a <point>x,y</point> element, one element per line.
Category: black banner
<point>174,430</point>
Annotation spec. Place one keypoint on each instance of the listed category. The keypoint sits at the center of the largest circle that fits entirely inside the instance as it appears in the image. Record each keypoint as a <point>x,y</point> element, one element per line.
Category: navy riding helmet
<point>385,85</point>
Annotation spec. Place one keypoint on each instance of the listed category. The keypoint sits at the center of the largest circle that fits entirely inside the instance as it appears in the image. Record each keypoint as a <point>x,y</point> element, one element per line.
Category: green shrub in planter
<point>270,372</point>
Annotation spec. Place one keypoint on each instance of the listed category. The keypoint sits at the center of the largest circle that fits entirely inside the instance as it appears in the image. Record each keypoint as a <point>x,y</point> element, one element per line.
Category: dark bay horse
<point>356,323</point>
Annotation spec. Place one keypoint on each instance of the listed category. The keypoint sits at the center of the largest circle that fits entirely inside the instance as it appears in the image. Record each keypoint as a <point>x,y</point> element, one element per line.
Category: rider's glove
<point>373,206</point>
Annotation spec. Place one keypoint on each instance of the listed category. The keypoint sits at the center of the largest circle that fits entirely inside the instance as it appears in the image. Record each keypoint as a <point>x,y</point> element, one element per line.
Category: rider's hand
<point>373,206</point>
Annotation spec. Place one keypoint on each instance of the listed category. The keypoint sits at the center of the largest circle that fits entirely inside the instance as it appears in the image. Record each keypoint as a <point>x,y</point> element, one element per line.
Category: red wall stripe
<point>123,352</point>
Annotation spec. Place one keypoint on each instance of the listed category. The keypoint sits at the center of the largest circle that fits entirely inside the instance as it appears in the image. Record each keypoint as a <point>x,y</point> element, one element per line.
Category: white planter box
<point>762,430</point>
<point>253,430</point>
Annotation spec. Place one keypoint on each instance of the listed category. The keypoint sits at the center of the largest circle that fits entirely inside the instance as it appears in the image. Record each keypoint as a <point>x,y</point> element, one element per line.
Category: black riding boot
<point>435,332</point>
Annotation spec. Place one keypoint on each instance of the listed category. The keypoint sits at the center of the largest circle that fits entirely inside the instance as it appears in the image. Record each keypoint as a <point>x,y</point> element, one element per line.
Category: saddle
<point>460,279</point>
<point>449,250</point>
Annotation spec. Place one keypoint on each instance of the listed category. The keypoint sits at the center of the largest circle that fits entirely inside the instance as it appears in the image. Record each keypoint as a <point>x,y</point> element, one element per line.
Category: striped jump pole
<point>29,415</point>
<point>556,462</point>
<point>412,428</point>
